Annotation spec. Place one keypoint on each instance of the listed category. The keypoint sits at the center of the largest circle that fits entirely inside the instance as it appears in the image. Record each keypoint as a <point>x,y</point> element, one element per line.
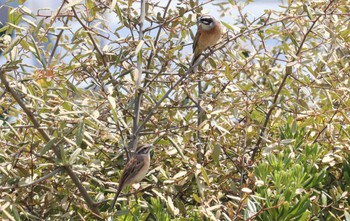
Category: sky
<point>254,9</point>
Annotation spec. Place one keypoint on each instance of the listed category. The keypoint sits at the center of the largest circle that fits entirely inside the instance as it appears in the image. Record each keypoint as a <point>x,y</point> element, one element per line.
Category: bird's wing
<point>196,51</point>
<point>132,167</point>
<point>195,42</point>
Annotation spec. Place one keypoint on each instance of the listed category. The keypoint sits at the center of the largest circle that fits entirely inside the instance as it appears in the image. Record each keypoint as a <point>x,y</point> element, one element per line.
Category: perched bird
<point>208,34</point>
<point>135,170</point>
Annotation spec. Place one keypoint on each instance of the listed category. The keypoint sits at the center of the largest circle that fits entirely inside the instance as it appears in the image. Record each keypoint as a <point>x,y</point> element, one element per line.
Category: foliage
<point>270,144</point>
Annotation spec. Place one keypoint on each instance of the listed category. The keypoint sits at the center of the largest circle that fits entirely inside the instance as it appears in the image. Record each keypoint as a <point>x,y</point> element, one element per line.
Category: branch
<point>187,73</point>
<point>148,82</point>
<point>287,74</point>
<point>91,38</point>
<point>176,17</point>
<point>325,127</point>
<point>157,38</point>
<point>200,119</point>
<point>46,137</point>
<point>56,45</point>
<point>53,19</point>
<point>199,61</point>
<point>47,176</point>
<point>138,91</point>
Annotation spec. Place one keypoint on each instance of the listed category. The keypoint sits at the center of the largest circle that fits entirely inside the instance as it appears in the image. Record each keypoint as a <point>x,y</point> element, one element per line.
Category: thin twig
<point>55,46</point>
<point>325,127</point>
<point>287,74</point>
<point>156,41</point>
<point>47,176</point>
<point>46,137</point>
<point>217,47</point>
<point>91,38</point>
<point>200,117</point>
<point>147,83</point>
<point>52,21</point>
<point>176,17</point>
<point>187,73</point>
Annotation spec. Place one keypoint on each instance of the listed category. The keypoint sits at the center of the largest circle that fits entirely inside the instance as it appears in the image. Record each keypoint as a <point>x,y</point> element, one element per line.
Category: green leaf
<point>308,11</point>
<point>300,208</point>
<point>74,156</point>
<point>119,12</point>
<point>80,133</point>
<point>205,176</point>
<point>37,53</point>
<point>196,198</point>
<point>63,155</point>
<point>212,62</point>
<point>323,199</point>
<point>231,27</point>
<point>13,43</point>
<point>216,153</point>
<point>347,215</point>
<point>47,146</point>
<point>38,26</point>
<point>139,47</point>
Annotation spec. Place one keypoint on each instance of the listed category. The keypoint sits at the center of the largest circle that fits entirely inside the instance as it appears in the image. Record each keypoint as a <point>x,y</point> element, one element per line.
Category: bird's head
<point>144,149</point>
<point>207,22</point>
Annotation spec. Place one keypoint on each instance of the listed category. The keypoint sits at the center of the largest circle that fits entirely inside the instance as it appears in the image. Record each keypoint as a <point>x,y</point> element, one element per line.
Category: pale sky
<point>254,9</point>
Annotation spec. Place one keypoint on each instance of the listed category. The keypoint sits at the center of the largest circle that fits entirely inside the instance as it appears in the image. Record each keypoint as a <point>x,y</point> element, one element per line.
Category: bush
<point>259,132</point>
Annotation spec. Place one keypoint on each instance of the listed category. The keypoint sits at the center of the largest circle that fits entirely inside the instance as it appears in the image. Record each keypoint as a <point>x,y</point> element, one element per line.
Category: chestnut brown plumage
<point>208,34</point>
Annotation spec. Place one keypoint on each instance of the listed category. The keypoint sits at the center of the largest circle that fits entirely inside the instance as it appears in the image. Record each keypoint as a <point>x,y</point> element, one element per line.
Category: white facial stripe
<point>144,149</point>
<point>206,27</point>
<point>206,21</point>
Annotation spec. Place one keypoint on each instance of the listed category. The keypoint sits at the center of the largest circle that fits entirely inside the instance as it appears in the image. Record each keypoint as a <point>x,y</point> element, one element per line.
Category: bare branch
<point>138,91</point>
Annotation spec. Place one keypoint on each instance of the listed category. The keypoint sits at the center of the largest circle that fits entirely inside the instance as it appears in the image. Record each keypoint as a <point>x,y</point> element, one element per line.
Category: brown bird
<point>208,34</point>
<point>135,170</point>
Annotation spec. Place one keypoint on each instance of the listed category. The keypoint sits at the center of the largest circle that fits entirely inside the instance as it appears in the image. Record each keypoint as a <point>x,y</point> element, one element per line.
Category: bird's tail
<point>115,198</point>
<point>195,58</point>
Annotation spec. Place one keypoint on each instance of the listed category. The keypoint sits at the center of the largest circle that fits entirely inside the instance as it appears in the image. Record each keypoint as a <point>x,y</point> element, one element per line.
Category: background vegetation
<point>265,137</point>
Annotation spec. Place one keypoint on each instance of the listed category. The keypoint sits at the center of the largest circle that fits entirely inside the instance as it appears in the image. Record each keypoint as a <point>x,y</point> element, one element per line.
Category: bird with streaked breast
<point>135,170</point>
<point>208,34</point>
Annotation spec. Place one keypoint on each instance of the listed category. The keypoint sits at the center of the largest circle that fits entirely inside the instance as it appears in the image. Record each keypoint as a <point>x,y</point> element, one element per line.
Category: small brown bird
<point>208,34</point>
<point>135,170</point>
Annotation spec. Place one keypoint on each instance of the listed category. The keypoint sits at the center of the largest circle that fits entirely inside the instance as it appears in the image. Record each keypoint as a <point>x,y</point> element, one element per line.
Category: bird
<point>208,34</point>
<point>135,170</point>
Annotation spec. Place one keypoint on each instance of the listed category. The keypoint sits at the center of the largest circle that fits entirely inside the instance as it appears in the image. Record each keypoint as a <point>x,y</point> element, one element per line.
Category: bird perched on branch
<point>135,170</point>
<point>208,34</point>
